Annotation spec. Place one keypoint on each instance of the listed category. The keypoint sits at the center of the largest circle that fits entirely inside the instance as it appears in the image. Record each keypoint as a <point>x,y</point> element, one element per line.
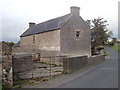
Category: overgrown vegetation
<point>6,47</point>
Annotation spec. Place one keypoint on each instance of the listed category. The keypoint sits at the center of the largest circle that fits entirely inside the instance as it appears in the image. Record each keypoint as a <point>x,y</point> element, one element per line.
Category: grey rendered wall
<point>74,63</point>
<point>72,45</point>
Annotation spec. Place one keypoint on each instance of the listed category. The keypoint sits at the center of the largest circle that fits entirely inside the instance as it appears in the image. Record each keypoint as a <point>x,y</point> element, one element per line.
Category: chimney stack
<point>31,24</point>
<point>75,10</point>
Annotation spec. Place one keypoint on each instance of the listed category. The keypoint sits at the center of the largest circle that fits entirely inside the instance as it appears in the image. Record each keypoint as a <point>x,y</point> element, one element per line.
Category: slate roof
<point>17,44</point>
<point>49,25</point>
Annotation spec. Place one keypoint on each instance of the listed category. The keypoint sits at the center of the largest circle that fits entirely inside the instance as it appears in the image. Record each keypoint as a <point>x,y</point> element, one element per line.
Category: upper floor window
<point>77,34</point>
<point>33,39</point>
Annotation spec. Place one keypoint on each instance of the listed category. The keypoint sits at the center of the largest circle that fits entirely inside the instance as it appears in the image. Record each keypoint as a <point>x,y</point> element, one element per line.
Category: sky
<point>16,14</point>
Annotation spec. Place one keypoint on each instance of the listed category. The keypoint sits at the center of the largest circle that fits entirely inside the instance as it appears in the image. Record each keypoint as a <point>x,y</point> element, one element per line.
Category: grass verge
<point>107,54</point>
<point>116,47</point>
<point>0,87</point>
<point>33,81</point>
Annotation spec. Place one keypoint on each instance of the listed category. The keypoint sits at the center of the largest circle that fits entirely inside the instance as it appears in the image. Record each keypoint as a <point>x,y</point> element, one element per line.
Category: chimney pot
<point>31,24</point>
<point>74,10</point>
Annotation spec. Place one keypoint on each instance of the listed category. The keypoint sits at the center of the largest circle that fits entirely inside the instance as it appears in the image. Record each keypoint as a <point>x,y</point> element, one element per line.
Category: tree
<point>11,43</point>
<point>7,47</point>
<point>114,40</point>
<point>99,32</point>
<point>110,34</point>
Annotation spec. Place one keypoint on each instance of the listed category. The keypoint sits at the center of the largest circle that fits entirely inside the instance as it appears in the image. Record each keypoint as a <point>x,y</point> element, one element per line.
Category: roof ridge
<point>53,19</point>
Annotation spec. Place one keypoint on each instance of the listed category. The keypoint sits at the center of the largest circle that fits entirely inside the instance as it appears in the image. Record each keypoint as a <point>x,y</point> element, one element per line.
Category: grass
<point>42,62</point>
<point>106,53</point>
<point>18,83</point>
<point>116,47</point>
<point>17,86</point>
<point>0,87</point>
<point>54,65</point>
<point>4,87</point>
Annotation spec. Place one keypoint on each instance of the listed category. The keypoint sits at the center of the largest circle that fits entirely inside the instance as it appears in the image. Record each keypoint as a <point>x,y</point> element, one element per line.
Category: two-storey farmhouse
<point>68,34</point>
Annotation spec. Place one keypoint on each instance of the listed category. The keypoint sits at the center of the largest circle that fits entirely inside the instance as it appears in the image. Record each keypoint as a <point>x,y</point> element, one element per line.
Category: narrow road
<point>104,76</point>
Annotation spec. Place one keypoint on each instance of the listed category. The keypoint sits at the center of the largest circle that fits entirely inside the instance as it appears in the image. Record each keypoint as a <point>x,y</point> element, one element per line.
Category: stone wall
<point>16,50</point>
<point>6,71</point>
<point>58,60</point>
<point>22,64</point>
<point>96,59</point>
<point>72,64</point>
